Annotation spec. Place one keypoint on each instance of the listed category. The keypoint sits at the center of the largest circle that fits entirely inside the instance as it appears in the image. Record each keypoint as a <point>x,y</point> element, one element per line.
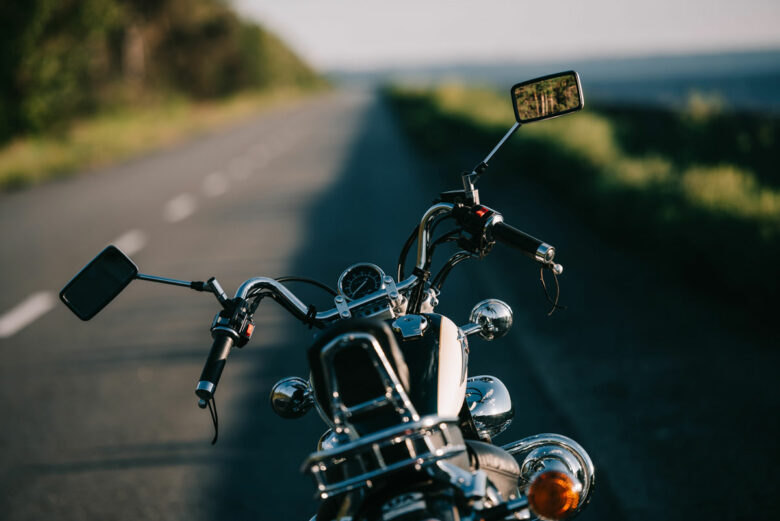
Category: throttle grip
<point>530,246</point>
<point>215,363</point>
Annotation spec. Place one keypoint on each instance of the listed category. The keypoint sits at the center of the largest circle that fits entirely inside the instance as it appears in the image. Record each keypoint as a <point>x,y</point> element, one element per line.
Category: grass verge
<point>711,220</point>
<point>122,133</point>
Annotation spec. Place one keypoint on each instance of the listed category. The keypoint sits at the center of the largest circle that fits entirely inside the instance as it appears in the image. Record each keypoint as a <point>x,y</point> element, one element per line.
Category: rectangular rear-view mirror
<point>547,97</point>
<point>98,282</point>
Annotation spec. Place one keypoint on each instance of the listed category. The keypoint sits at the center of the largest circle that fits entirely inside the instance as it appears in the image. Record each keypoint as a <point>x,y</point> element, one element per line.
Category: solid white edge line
<point>26,313</point>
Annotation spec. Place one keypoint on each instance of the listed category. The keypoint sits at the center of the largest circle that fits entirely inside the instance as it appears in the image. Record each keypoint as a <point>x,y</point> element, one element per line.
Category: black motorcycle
<point>409,434</point>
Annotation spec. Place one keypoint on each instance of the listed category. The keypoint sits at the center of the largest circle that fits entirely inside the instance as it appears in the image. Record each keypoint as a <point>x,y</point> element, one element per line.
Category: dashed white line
<point>215,184</point>
<point>26,312</point>
<point>179,208</point>
<point>131,242</point>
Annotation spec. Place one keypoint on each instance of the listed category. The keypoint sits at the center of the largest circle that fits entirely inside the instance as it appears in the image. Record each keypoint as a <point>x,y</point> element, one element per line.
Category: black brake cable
<point>405,252</point>
<point>410,241</point>
<point>441,277</point>
<point>450,236</point>
<point>438,221</point>
<point>214,418</point>
<point>553,302</point>
<point>311,316</point>
<point>308,281</point>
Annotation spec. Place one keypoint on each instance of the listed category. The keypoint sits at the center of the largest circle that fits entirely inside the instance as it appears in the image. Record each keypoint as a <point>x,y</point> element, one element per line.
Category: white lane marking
<point>25,313</point>
<point>215,184</point>
<point>180,207</point>
<point>131,242</point>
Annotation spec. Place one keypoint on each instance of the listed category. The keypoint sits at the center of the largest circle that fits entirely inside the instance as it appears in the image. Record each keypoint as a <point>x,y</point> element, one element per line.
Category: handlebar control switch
<point>476,220</point>
<point>232,326</point>
<point>236,321</point>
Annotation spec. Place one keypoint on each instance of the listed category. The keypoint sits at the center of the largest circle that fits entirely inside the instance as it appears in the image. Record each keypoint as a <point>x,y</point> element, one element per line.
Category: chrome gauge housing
<point>360,280</point>
<point>490,405</point>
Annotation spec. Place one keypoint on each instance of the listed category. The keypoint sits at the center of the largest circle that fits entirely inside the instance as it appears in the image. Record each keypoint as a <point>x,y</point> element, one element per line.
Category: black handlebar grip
<point>531,246</point>
<point>215,363</point>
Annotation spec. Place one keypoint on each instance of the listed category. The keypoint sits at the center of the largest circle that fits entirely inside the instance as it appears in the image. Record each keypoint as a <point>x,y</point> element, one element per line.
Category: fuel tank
<point>436,353</point>
<point>429,357</point>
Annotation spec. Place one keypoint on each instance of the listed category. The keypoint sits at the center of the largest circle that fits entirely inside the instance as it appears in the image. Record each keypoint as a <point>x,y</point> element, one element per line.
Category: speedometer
<point>360,280</point>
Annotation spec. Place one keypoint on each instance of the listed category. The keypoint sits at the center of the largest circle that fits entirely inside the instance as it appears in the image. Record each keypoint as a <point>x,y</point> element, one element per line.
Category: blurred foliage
<point>679,187</point>
<point>64,58</point>
<point>702,134</point>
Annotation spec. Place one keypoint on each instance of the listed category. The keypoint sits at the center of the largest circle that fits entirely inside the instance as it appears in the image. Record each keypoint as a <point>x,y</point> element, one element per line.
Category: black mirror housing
<point>92,288</point>
<point>547,97</point>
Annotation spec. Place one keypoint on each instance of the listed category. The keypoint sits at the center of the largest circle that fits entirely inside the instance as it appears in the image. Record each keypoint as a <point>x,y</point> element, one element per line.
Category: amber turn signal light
<point>553,495</point>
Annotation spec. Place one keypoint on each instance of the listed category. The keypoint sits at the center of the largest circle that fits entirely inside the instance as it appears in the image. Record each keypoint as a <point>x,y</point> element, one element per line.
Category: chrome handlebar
<point>297,308</point>
<point>294,305</point>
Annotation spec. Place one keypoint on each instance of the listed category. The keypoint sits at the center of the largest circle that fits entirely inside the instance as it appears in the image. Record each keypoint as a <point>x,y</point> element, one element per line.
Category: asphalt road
<point>100,420</point>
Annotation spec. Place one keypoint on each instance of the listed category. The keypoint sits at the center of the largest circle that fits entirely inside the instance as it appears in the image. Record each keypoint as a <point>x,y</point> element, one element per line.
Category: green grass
<point>652,180</point>
<point>119,134</point>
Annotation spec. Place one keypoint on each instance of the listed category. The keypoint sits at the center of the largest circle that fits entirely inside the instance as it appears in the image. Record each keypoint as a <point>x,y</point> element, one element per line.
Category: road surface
<point>100,419</point>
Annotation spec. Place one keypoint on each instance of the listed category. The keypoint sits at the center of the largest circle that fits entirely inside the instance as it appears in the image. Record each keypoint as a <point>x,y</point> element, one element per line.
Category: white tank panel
<point>452,383</point>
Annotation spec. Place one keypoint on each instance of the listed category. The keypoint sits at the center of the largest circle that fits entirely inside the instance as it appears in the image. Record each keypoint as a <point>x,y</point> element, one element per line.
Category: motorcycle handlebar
<point>215,363</point>
<point>530,246</point>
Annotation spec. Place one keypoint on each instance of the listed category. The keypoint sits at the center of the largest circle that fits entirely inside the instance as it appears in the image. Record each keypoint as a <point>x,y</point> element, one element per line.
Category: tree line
<point>63,58</point>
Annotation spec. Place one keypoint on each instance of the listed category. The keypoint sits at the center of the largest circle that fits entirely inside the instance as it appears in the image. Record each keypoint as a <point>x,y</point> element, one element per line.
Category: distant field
<point>744,81</point>
<point>696,189</point>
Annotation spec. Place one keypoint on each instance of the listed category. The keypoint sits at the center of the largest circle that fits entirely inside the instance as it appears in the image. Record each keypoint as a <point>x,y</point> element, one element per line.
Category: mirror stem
<point>470,179</point>
<point>499,145</point>
<point>197,286</point>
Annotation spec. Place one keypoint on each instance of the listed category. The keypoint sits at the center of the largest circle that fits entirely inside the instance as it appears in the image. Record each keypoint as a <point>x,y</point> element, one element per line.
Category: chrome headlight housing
<point>490,405</point>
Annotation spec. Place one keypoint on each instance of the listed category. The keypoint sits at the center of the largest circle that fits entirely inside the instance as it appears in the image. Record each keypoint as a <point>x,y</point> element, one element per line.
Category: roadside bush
<point>721,217</point>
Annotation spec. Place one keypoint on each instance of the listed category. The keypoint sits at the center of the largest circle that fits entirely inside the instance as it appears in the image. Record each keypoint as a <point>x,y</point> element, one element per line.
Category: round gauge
<point>361,279</point>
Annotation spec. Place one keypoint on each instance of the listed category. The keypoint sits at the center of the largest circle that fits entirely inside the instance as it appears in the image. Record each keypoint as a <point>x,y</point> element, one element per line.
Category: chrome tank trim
<point>451,385</point>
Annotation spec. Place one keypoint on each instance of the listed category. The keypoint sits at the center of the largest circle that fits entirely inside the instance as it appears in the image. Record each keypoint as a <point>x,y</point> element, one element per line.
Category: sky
<point>368,34</point>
